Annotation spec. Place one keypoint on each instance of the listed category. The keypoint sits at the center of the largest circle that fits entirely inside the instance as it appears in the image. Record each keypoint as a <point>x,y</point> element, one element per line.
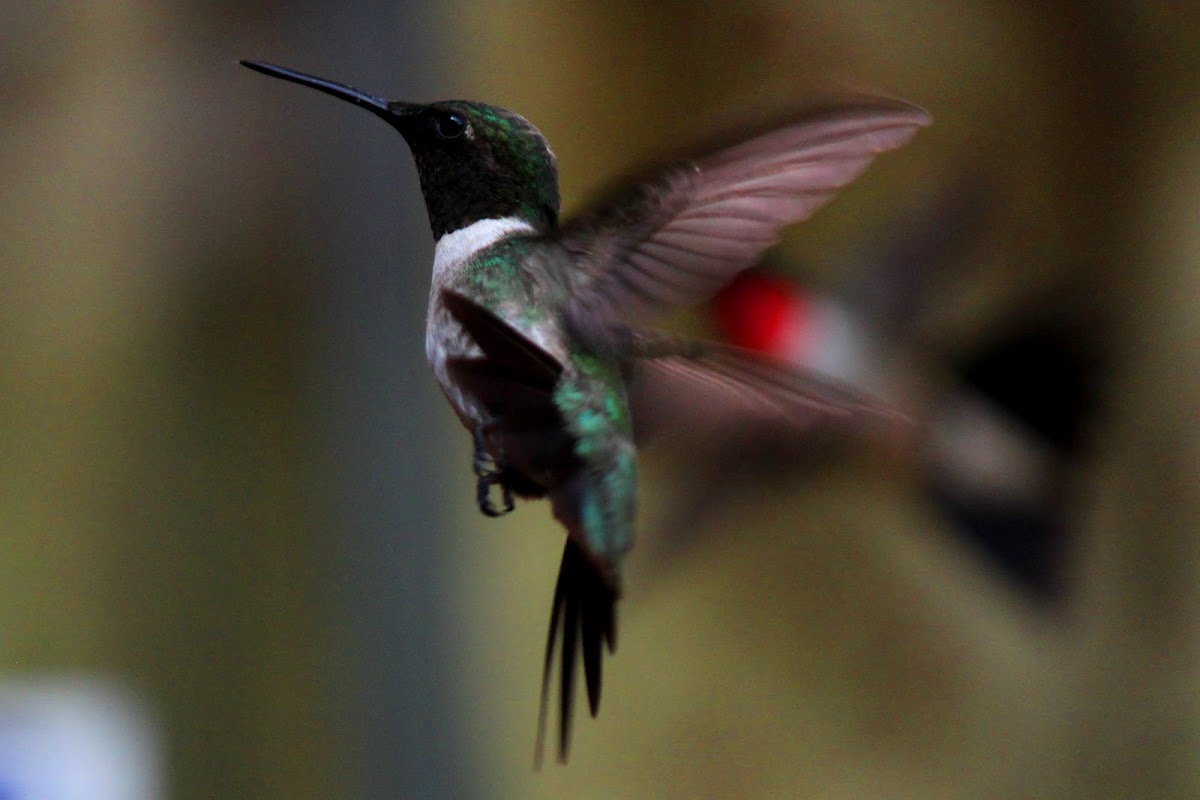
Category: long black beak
<point>391,111</point>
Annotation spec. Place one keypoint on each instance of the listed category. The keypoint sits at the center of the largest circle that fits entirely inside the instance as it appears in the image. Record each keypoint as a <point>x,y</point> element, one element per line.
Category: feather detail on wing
<point>703,389</point>
<point>515,381</point>
<point>507,351</point>
<point>677,239</point>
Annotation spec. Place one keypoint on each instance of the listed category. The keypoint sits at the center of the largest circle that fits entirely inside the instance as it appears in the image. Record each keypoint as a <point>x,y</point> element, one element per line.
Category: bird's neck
<point>459,246</point>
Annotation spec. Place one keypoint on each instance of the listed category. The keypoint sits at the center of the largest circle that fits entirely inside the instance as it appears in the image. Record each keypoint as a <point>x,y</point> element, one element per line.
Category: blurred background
<point>239,550</point>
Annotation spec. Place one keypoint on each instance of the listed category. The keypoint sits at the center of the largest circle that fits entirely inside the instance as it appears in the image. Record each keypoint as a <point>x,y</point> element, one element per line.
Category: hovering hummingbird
<point>536,328</point>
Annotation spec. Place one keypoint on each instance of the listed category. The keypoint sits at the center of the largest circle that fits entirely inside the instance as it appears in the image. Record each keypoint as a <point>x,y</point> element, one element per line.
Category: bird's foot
<point>488,473</point>
<point>483,495</point>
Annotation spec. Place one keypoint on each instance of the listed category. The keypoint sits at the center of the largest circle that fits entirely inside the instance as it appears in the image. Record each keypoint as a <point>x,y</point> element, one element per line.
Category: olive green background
<point>229,484</point>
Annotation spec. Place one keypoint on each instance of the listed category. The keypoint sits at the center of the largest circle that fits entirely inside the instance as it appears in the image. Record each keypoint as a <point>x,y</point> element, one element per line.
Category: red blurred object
<point>763,313</point>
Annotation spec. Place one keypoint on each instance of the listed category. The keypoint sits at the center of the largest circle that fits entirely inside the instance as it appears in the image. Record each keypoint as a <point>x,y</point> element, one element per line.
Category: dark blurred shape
<point>1043,375</point>
<point>1029,394</point>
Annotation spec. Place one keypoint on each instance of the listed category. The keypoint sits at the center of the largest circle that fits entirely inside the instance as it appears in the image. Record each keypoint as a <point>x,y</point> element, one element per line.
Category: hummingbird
<point>538,329</point>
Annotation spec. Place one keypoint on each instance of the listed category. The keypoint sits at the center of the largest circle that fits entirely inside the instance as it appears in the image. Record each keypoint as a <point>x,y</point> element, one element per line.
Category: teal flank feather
<point>596,504</point>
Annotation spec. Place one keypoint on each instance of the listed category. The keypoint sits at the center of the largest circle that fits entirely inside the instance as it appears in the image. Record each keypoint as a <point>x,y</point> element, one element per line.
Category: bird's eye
<point>449,125</point>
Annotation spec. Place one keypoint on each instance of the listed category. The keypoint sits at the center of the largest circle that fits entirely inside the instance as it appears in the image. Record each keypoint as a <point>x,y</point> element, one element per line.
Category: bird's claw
<point>483,495</point>
<point>488,474</point>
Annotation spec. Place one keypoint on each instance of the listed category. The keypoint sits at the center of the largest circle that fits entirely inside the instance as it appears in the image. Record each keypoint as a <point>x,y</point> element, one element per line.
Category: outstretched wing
<point>705,389</point>
<point>677,239</point>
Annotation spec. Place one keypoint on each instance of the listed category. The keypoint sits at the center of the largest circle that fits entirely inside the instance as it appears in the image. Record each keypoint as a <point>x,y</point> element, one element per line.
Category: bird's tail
<point>585,609</point>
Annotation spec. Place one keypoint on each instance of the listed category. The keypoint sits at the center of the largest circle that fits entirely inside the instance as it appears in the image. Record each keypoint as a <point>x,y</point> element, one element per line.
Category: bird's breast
<point>446,339</point>
<point>509,277</point>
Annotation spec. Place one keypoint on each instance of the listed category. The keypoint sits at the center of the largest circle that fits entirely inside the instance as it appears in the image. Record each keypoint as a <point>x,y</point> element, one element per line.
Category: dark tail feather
<point>592,659</point>
<point>551,640</point>
<point>584,605</point>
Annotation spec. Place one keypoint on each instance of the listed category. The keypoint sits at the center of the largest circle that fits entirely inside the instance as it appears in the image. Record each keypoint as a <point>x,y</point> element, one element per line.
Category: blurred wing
<point>679,238</point>
<point>709,389</point>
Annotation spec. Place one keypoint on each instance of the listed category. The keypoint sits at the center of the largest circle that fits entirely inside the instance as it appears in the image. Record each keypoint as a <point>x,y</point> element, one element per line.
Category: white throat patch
<point>458,247</point>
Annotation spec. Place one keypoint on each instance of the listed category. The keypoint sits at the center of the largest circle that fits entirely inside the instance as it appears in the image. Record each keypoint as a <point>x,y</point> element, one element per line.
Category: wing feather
<point>676,239</point>
<point>699,389</point>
